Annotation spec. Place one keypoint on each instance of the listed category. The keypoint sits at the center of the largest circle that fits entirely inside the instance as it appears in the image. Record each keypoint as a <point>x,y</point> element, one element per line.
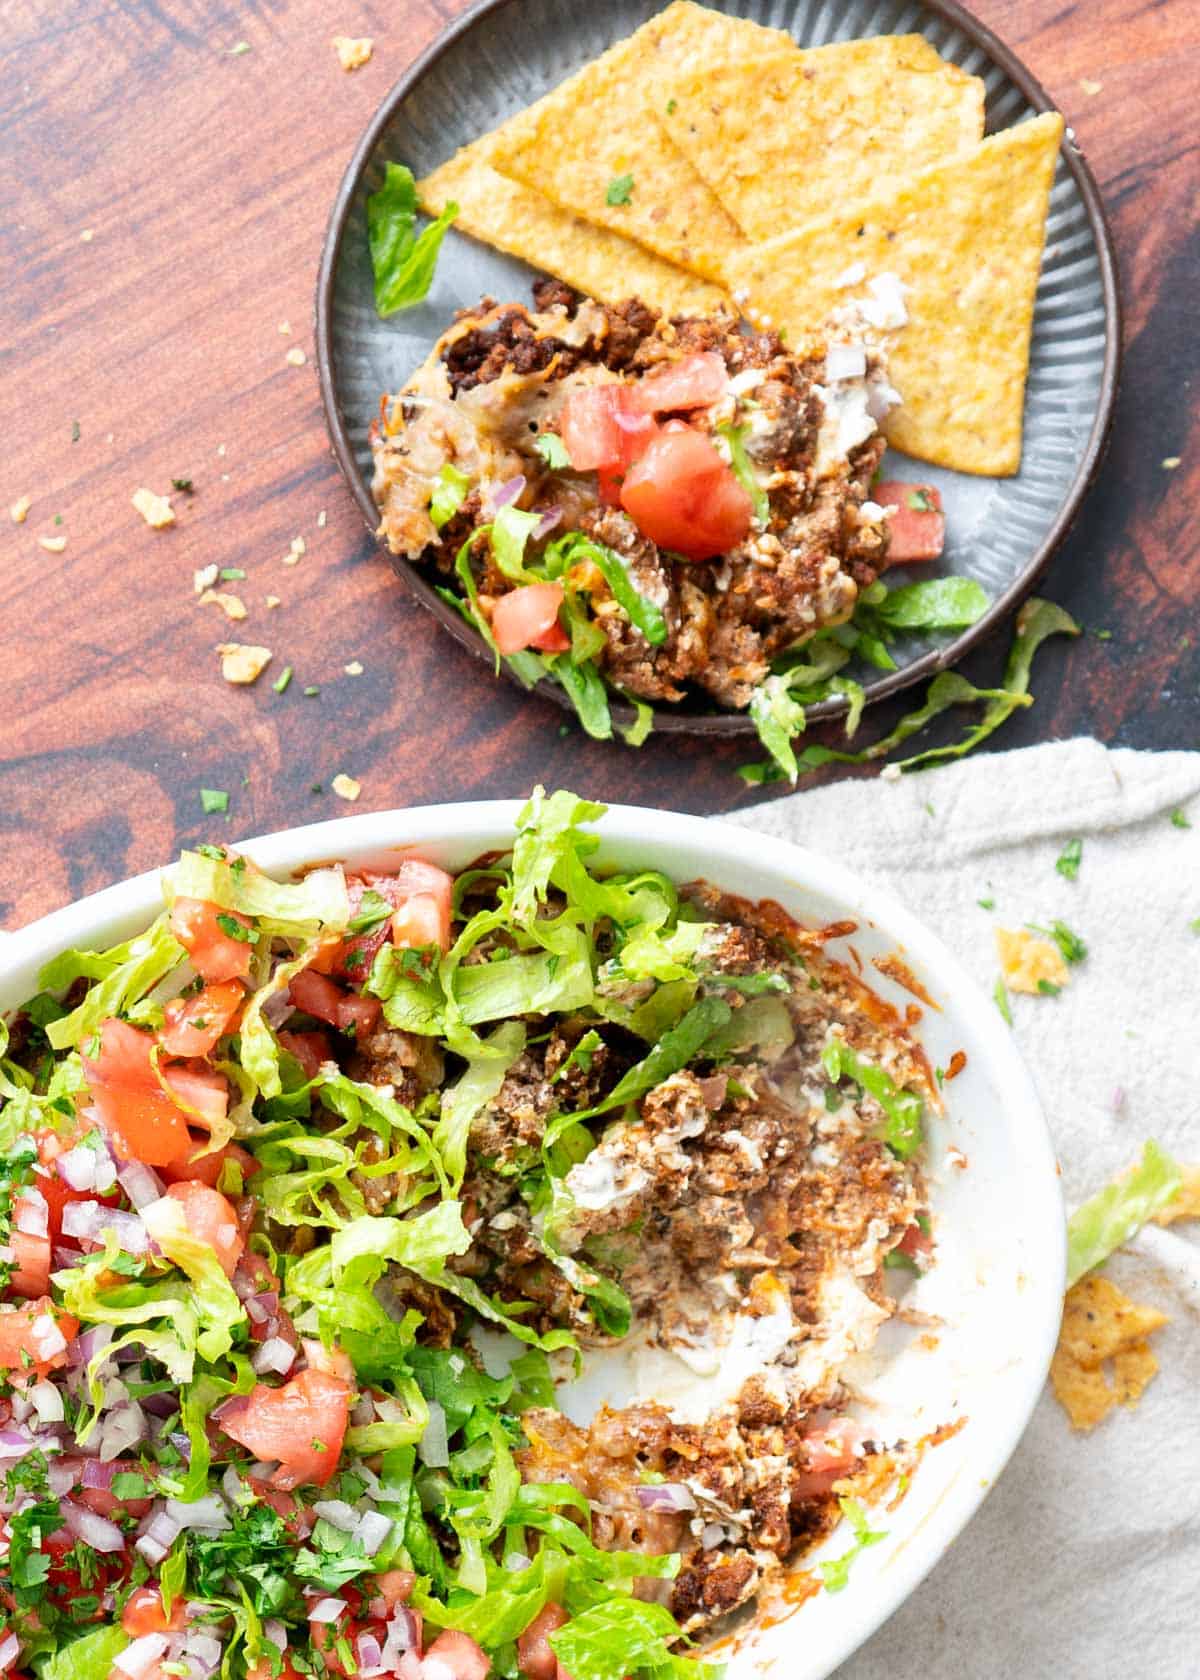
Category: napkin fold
<point>1084,1560</point>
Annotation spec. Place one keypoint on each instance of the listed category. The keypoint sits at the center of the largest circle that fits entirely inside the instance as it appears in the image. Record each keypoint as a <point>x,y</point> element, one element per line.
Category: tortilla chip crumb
<point>298,547</point>
<point>354,669</point>
<point>243,664</point>
<point>285,328</point>
<point>353,52</point>
<point>346,787</point>
<point>1185,1203</point>
<point>1026,961</point>
<point>53,545</point>
<point>231,605</point>
<point>1089,87</point>
<point>322,520</point>
<point>1101,1324</point>
<point>155,510</point>
<point>204,578</point>
<point>1170,462</point>
<point>88,235</point>
<point>19,511</point>
<point>272,600</point>
<point>296,356</point>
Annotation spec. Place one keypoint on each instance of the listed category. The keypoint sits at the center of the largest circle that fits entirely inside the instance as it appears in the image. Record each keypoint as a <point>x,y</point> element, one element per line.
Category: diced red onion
<point>666,1496</point>
<point>404,1634</point>
<point>262,1307</point>
<point>371,1530</point>
<point>433,1448</point>
<point>208,1513</point>
<point>503,494</point>
<point>140,1183</point>
<point>182,1445</point>
<point>86,1347</point>
<point>137,1657</point>
<point>61,1477</point>
<point>125,1426</point>
<point>337,1512</point>
<point>277,1633</point>
<point>370,1655</point>
<point>10,1650</point>
<point>89,1220</point>
<point>276,1008</point>
<point>273,1355</point>
<point>65,1257</point>
<point>1117,1100</point>
<point>203,1650</point>
<point>363,1410</point>
<point>48,1402</point>
<point>326,1609</point>
<point>15,1443</point>
<point>31,1214</point>
<point>551,516</point>
<point>93,1529</point>
<point>99,1475</point>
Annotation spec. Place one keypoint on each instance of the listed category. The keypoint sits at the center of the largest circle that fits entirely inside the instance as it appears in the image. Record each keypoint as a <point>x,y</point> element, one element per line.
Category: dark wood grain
<point>205,177</point>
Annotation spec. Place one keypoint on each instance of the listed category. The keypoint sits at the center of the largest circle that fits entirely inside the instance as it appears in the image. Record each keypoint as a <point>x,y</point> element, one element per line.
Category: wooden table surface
<point>164,196</point>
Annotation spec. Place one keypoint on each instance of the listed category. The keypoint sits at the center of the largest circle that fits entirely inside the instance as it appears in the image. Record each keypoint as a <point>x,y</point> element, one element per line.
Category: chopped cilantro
<point>919,501</point>
<point>986,903</point>
<point>371,911</point>
<point>183,484</point>
<point>1048,988</point>
<point>836,1573</point>
<point>236,930</point>
<point>282,680</point>
<point>1072,947</point>
<point>311,690</point>
<point>231,574</point>
<point>238,48</point>
<point>672,107</point>
<point>1001,996</point>
<point>213,799</point>
<point>620,190</point>
<point>75,434</point>
<point>1179,819</point>
<point>1069,859</point>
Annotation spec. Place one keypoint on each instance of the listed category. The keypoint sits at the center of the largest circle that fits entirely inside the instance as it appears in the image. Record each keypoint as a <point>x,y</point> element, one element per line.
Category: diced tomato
<point>915,1242</point>
<point>916,526</point>
<point>535,1658</point>
<point>605,427</point>
<point>144,1613</point>
<point>695,381</point>
<point>31,1264</point>
<point>457,1657</point>
<point>528,617</point>
<point>192,1025</point>
<point>266,1670</point>
<point>205,1166</point>
<point>317,995</point>
<point>216,954</point>
<point>210,1219</point>
<point>201,1090</point>
<point>684,497</point>
<point>39,1333</point>
<point>309,1048</point>
<point>302,1424</point>
<point>332,1360</point>
<point>139,1116</point>
<point>104,1501</point>
<point>56,1190</point>
<point>298,1518</point>
<point>351,958</point>
<point>394,1586</point>
<point>417,882</point>
<point>66,1585</point>
<point>832,1447</point>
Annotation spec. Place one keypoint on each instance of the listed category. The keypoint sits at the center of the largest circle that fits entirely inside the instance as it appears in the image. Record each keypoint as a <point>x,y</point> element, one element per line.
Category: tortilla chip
<point>526,225</point>
<point>781,137</point>
<point>1101,1323</point>
<point>1185,1203</point>
<point>966,239</point>
<point>1027,961</point>
<point>598,128</point>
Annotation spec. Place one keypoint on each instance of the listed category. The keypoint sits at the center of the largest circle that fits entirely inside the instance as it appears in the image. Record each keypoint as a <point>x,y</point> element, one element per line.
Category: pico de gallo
<point>276,1168</point>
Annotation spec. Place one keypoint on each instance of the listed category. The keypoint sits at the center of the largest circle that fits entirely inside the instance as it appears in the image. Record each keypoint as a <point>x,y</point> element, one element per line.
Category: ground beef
<point>408,1062</point>
<point>509,343</point>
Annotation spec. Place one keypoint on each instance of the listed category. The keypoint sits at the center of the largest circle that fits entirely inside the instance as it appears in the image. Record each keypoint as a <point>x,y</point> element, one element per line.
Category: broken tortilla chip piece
<point>1029,963</point>
<point>1100,1323</point>
<point>781,137</point>
<point>527,225</point>
<point>1185,1203</point>
<point>964,238</point>
<point>593,146</point>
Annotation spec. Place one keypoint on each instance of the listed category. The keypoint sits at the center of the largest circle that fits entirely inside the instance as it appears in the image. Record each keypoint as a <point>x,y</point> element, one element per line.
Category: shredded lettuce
<point>402,260</point>
<point>449,493</point>
<point>744,469</point>
<point>945,603</point>
<point>91,1657</point>
<point>642,612</point>
<point>295,910</point>
<point>1116,1213</point>
<point>463,1103</point>
<point>836,1572</point>
<point>119,976</point>
<point>626,1636</point>
<point>904,1109</point>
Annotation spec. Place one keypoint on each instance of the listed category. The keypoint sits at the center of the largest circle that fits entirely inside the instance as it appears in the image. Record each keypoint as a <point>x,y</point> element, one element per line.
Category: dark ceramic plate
<point>505,53</point>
